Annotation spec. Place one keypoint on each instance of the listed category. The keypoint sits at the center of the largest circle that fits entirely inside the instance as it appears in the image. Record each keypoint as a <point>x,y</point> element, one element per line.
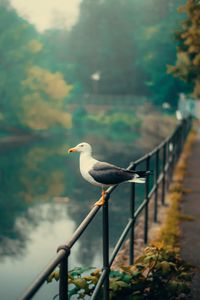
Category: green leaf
<point>150,258</point>
<point>115,274</point>
<point>76,272</point>
<point>165,266</point>
<point>92,279</point>
<point>185,276</point>
<point>126,278</point>
<point>81,283</point>
<point>113,286</point>
<point>54,275</point>
<point>173,286</point>
<point>122,284</point>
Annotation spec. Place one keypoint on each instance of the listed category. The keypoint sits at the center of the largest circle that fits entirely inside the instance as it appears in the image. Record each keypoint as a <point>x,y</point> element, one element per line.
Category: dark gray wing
<point>106,173</point>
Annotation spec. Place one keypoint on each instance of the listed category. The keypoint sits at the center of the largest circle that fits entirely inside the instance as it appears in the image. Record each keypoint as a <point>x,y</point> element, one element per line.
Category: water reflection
<point>43,199</point>
<point>43,227</point>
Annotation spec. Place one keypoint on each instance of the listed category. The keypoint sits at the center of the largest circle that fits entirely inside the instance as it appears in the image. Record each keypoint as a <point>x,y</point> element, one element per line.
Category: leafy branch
<point>158,274</point>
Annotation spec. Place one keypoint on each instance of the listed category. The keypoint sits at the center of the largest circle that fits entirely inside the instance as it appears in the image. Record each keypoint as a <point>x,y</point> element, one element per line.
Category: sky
<point>45,14</point>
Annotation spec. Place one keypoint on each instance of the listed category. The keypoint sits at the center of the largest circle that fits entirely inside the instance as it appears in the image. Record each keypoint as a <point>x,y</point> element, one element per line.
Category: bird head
<point>82,147</point>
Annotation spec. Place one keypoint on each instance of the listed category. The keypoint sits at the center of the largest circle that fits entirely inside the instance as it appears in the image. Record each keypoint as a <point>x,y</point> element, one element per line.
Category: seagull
<point>104,174</point>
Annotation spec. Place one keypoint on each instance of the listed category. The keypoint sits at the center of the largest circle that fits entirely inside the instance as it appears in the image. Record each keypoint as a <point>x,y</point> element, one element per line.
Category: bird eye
<point>81,145</point>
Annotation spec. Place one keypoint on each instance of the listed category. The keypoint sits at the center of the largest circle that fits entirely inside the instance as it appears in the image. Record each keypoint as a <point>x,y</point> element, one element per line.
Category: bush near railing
<point>158,274</point>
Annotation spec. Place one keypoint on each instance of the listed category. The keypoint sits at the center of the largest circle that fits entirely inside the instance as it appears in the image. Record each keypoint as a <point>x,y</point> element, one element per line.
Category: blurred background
<point>73,71</point>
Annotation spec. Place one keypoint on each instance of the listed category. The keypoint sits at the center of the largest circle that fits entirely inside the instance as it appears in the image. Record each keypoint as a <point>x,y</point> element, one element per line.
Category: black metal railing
<point>162,161</point>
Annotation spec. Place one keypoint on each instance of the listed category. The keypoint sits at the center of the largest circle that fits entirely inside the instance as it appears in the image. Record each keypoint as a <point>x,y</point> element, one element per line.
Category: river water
<point>43,199</point>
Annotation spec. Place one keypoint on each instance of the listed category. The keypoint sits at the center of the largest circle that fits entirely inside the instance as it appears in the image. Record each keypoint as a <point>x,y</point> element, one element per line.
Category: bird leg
<point>102,200</point>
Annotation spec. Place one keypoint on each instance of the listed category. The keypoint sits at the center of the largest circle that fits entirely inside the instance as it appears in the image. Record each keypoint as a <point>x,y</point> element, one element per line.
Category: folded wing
<point>109,174</point>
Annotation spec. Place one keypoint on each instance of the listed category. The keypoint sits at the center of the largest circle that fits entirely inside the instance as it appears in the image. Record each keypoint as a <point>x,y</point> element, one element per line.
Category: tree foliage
<point>31,95</point>
<point>102,41</point>
<point>187,64</point>
<point>45,96</point>
<point>14,36</point>
<point>121,41</point>
<point>125,44</point>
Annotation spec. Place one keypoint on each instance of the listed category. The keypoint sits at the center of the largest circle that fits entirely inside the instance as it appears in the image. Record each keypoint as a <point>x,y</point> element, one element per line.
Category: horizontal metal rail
<point>161,161</point>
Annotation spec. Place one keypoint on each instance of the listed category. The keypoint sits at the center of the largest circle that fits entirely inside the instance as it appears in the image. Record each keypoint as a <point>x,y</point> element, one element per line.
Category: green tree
<point>32,92</point>
<point>102,41</point>
<point>128,44</point>
<point>187,65</point>
<point>42,105</point>
<point>15,37</point>
<point>154,39</point>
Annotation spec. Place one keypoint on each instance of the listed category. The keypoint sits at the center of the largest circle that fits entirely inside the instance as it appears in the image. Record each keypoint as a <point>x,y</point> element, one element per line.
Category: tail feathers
<point>140,176</point>
<point>138,180</point>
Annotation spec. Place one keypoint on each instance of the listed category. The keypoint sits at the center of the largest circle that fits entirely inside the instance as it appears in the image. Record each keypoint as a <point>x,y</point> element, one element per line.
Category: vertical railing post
<point>164,175</point>
<point>63,280</point>
<point>174,149</point>
<point>146,209</point>
<point>106,266</point>
<point>132,231</point>
<point>183,134</point>
<point>174,152</point>
<point>179,141</point>
<point>156,175</point>
<point>167,176</point>
<point>186,128</point>
<point>170,159</point>
<point>180,138</point>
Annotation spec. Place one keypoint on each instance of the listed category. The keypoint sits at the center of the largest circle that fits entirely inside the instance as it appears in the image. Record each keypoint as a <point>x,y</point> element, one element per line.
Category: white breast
<point>86,164</point>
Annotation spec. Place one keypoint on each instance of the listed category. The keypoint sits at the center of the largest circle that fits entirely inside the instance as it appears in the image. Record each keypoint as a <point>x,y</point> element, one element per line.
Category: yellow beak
<point>72,150</point>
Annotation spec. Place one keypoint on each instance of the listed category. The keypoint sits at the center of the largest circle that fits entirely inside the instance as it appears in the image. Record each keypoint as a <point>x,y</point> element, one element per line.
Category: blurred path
<point>190,230</point>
